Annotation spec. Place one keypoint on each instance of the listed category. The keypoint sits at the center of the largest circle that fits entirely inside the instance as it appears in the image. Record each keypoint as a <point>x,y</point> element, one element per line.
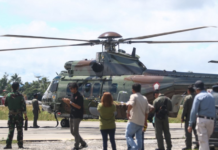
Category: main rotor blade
<point>165,33</point>
<point>26,48</point>
<point>213,61</point>
<point>50,38</point>
<point>165,42</point>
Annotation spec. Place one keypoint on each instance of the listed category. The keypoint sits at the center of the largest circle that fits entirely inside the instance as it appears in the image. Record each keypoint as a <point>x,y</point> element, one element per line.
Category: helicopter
<point>114,70</point>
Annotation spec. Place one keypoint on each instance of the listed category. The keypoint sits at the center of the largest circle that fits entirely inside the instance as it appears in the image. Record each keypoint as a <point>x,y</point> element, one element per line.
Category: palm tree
<point>16,78</point>
<point>44,83</point>
<point>30,88</point>
<point>4,82</point>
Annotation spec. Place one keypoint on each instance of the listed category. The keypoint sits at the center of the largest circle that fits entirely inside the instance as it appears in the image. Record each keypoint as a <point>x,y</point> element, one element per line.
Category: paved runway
<point>89,131</point>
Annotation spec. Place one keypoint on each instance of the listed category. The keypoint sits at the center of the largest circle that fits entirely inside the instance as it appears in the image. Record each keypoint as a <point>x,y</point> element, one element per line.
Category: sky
<point>88,19</point>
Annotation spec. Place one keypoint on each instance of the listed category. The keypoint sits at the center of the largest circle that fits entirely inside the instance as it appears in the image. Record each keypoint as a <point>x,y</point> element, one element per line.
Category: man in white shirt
<point>137,113</point>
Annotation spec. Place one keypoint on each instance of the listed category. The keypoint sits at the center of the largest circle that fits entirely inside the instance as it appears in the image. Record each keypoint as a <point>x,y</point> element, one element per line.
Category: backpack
<point>162,111</point>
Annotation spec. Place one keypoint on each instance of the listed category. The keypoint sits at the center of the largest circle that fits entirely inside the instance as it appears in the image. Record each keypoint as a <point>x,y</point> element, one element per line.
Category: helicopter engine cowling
<point>68,65</point>
<point>97,67</point>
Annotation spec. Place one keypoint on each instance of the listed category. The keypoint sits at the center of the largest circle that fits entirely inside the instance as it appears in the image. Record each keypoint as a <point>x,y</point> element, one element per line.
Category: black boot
<point>7,147</point>
<point>21,147</point>
<point>196,147</point>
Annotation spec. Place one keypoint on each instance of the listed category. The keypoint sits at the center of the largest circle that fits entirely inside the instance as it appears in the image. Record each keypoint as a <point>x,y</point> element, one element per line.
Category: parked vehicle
<point>2,100</point>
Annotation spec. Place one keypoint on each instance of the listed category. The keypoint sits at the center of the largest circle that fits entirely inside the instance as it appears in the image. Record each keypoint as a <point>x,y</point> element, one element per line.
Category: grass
<point>3,141</point>
<point>178,119</point>
<point>45,116</point>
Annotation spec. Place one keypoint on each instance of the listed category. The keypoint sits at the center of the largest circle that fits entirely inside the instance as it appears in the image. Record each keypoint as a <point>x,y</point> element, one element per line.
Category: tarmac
<point>49,137</point>
<point>89,130</point>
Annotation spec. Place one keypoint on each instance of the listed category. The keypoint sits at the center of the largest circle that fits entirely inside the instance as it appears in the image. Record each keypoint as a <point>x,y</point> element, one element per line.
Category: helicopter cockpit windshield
<point>54,86</point>
<point>47,96</point>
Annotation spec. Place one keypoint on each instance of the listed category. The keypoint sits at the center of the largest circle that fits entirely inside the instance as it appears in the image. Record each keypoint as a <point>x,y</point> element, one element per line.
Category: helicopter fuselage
<point>116,72</point>
<point>169,83</point>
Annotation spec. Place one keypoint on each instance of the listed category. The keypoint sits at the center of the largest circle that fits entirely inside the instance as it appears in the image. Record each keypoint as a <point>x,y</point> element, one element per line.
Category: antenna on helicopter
<point>133,52</point>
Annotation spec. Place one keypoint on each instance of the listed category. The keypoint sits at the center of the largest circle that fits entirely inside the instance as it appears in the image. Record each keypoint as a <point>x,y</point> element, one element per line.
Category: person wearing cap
<point>187,105</point>
<point>203,109</point>
<point>162,125</point>
<point>36,110</point>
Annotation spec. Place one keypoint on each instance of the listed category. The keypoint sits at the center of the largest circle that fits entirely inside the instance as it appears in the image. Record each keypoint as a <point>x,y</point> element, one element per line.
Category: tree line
<point>27,88</point>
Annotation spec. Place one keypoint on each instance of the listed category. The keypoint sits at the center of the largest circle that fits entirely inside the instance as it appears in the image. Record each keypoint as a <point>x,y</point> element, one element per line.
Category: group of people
<point>198,110</point>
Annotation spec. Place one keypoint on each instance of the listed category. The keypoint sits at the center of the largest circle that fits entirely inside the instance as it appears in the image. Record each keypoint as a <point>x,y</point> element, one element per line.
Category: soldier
<point>187,106</point>
<point>162,105</point>
<point>17,107</point>
<point>36,110</point>
<point>203,109</point>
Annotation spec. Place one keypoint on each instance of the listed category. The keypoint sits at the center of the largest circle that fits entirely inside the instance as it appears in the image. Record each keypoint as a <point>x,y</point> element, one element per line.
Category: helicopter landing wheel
<point>65,123</point>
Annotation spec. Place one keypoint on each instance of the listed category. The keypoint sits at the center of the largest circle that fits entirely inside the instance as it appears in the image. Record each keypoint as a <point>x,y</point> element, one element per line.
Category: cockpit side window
<point>87,89</point>
<point>54,86</point>
<point>96,89</point>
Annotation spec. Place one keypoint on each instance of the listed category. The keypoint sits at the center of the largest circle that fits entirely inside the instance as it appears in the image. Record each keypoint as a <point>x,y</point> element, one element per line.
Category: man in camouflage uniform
<point>162,126</point>
<point>36,110</point>
<point>17,107</point>
<point>187,106</point>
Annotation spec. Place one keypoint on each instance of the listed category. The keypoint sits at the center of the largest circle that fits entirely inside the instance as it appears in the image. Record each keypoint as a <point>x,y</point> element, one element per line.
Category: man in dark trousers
<point>162,122</point>
<point>187,106</point>
<point>36,110</point>
<point>76,115</point>
<point>17,107</point>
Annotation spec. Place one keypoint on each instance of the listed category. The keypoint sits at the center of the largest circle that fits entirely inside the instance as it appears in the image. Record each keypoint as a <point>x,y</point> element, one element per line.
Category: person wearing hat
<point>203,109</point>
<point>162,122</point>
<point>36,110</point>
<point>187,105</point>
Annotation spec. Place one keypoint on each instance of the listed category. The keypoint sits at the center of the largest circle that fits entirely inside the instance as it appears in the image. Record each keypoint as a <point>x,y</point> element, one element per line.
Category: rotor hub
<point>108,35</point>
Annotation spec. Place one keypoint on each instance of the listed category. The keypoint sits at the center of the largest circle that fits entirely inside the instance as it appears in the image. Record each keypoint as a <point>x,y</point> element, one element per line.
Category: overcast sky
<point>88,19</point>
